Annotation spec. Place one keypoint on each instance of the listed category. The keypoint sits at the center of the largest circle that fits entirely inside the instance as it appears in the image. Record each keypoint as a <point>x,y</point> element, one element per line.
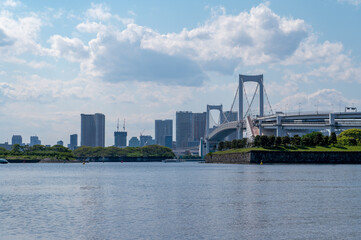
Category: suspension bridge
<point>237,123</point>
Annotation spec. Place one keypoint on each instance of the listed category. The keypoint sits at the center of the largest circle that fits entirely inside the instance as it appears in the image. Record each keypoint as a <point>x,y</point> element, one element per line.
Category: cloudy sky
<point>144,60</point>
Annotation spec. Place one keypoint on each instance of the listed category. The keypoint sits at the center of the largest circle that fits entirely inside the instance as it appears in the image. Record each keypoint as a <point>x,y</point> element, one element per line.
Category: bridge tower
<point>249,78</point>
<point>209,108</point>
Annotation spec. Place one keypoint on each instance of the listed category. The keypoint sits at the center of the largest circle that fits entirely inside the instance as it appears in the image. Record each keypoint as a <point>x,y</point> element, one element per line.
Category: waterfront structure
<point>34,140</point>
<point>93,130</point>
<point>183,129</point>
<point>73,142</point>
<point>146,140</point>
<point>17,139</point>
<point>163,132</point>
<point>60,142</point>
<point>120,139</point>
<point>134,142</point>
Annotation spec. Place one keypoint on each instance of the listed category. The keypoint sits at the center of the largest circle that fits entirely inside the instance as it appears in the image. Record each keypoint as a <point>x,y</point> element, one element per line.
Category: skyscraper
<point>93,130</point>
<point>73,141</point>
<point>199,126</point>
<point>16,139</point>
<point>34,140</point>
<point>163,129</point>
<point>183,129</point>
<point>120,139</point>
<point>60,142</point>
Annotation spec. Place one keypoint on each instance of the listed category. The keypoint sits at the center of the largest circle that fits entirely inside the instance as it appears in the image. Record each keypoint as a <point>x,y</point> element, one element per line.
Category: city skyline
<point>53,70</point>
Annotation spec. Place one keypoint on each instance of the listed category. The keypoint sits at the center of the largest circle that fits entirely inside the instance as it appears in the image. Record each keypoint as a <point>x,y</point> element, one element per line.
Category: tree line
<point>351,137</point>
<point>63,153</point>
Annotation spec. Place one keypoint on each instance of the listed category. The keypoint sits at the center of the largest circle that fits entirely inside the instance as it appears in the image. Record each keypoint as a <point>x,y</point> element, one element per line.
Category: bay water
<point>179,201</point>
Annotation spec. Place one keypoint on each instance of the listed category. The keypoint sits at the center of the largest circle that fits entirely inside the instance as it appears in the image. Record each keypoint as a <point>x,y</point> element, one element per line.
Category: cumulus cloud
<point>11,3</point>
<point>353,2</point>
<point>21,32</point>
<point>322,100</point>
<point>72,49</point>
<point>99,12</point>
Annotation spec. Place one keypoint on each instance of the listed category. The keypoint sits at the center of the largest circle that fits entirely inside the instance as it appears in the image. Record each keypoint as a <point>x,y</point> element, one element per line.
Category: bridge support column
<point>279,132</point>
<point>332,123</point>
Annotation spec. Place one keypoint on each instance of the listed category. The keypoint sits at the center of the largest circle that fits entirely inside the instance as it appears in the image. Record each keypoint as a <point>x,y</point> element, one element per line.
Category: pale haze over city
<point>145,60</point>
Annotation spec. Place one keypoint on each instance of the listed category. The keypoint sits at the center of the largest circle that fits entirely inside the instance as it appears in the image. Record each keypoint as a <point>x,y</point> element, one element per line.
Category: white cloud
<point>99,12</point>
<point>353,2</point>
<point>72,49</point>
<point>11,3</point>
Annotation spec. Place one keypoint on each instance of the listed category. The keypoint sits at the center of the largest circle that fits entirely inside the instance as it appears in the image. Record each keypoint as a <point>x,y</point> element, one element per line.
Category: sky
<point>144,60</point>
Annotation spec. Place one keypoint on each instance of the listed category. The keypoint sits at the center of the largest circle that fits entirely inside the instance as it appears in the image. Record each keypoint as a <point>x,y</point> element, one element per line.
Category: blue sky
<point>145,60</point>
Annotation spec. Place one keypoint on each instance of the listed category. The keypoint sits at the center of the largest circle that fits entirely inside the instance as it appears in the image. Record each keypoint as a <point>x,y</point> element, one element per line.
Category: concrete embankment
<point>256,157</point>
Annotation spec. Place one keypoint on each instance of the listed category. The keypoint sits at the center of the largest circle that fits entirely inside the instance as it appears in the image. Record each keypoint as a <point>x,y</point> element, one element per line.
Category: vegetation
<point>349,140</point>
<point>37,152</point>
<point>152,151</point>
<point>58,152</point>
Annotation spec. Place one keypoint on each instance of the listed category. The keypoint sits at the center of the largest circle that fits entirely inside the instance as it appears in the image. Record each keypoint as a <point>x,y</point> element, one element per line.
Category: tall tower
<point>120,137</point>
<point>93,130</point>
<point>164,132</point>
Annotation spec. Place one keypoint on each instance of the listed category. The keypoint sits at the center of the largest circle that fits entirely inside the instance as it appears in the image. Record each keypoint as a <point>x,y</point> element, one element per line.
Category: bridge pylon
<point>249,78</point>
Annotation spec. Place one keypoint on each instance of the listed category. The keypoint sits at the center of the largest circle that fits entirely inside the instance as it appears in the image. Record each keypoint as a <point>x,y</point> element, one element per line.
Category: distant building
<point>163,130</point>
<point>93,130</point>
<point>199,126</point>
<point>17,139</point>
<point>73,142</point>
<point>134,142</point>
<point>120,138</point>
<point>34,140</point>
<point>146,140</point>
<point>60,142</point>
<point>183,129</point>
<point>168,141</point>
<point>6,145</point>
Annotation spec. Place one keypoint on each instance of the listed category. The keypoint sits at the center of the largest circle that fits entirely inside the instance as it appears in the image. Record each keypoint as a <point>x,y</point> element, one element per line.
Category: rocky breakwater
<point>298,157</point>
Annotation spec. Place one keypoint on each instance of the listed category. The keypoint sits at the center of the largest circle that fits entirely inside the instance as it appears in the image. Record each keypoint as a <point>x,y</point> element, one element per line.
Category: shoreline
<point>286,157</point>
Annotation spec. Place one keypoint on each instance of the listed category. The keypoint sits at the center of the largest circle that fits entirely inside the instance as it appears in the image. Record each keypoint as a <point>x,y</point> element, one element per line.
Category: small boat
<point>3,161</point>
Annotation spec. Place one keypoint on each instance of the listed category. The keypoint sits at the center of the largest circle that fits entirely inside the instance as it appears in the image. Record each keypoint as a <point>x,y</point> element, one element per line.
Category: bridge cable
<point>254,95</point>
<point>245,93</point>
<point>269,104</point>
<point>230,112</point>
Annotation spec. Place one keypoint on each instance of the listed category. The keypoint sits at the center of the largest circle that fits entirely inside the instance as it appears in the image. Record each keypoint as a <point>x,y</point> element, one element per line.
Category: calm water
<point>179,201</point>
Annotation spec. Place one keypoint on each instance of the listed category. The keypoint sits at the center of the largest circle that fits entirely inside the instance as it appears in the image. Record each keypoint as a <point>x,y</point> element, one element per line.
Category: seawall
<point>256,157</point>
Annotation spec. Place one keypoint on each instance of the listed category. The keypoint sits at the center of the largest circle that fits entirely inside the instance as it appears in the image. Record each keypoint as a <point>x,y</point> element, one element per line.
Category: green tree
<point>296,140</point>
<point>286,140</point>
<point>257,141</point>
<point>278,141</point>
<point>333,138</point>
<point>264,141</point>
<point>345,136</point>
<point>326,140</point>
<point>220,146</point>
<point>234,144</point>
<point>271,140</point>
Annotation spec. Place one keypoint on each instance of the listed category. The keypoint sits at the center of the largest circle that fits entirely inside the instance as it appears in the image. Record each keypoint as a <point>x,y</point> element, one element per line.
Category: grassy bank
<point>295,149</point>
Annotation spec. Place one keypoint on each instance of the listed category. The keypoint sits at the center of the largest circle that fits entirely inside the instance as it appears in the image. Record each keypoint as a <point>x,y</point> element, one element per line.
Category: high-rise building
<point>120,139</point>
<point>134,142</point>
<point>34,140</point>
<point>163,129</point>
<point>199,126</point>
<point>93,130</point>
<point>183,129</point>
<point>60,142</point>
<point>168,141</point>
<point>17,139</point>
<point>73,142</point>
<point>146,140</point>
